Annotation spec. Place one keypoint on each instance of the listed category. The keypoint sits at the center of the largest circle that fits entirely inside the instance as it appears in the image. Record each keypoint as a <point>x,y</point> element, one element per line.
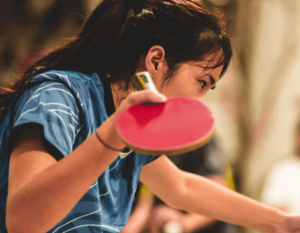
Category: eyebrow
<point>212,80</point>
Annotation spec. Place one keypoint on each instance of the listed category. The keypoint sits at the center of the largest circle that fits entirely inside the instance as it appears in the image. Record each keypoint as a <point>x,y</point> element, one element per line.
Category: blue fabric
<point>70,107</point>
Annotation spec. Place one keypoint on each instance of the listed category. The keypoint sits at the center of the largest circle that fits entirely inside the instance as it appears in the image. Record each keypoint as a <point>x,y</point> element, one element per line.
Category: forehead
<point>211,60</point>
<point>211,63</point>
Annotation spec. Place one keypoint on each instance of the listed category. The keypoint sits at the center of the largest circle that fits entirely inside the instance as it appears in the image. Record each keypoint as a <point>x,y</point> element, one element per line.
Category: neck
<point>120,92</point>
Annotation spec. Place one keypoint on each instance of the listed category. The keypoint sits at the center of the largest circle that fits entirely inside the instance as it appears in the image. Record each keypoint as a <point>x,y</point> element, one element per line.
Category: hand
<point>138,97</point>
<point>290,225</point>
<point>108,131</point>
<point>163,215</point>
<point>130,228</point>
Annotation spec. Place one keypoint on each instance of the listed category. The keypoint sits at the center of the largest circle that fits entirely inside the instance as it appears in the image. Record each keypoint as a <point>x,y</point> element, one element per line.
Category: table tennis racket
<point>177,126</point>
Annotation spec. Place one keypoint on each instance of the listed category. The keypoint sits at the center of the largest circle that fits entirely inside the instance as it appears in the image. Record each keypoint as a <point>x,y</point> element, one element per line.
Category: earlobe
<point>151,73</point>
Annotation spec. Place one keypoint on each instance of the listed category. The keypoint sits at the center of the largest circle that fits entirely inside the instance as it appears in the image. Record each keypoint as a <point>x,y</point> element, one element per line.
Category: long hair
<point>119,33</point>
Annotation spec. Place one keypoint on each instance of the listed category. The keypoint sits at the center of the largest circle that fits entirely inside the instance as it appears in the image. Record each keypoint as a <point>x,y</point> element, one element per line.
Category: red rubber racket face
<point>177,126</point>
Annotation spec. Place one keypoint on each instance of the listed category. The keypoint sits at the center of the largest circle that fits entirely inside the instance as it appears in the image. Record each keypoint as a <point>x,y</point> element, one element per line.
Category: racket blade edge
<point>174,151</point>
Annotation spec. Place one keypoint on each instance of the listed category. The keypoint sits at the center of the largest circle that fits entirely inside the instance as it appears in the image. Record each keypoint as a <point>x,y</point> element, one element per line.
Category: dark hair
<point>119,33</point>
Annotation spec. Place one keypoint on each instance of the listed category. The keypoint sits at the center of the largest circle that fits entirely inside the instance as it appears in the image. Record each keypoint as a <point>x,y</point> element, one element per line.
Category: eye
<point>202,83</point>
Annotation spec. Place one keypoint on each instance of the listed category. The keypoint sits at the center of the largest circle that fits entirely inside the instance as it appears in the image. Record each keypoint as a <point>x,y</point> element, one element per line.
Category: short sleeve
<point>149,158</point>
<point>53,106</point>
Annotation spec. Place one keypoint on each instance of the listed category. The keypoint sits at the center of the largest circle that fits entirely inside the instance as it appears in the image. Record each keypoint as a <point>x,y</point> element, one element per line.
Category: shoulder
<point>67,77</point>
<point>86,88</point>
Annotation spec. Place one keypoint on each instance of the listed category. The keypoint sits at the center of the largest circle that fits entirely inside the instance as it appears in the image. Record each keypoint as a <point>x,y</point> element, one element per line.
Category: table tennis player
<point>62,169</point>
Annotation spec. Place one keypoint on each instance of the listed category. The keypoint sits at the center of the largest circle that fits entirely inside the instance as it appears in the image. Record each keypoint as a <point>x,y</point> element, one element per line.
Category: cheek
<point>191,91</point>
<point>181,89</point>
<point>170,91</point>
<point>182,85</point>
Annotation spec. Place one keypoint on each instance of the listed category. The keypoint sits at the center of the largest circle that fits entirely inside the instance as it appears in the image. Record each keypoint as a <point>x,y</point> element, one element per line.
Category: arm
<point>207,161</point>
<point>196,194</point>
<point>162,215</point>
<point>41,190</point>
<point>140,215</point>
<point>194,221</point>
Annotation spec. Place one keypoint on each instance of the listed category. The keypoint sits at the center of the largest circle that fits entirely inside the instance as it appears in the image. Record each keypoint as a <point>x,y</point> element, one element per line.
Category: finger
<point>145,96</point>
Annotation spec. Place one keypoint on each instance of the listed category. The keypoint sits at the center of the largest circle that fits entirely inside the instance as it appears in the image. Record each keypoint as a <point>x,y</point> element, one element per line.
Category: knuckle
<point>141,96</point>
<point>133,98</point>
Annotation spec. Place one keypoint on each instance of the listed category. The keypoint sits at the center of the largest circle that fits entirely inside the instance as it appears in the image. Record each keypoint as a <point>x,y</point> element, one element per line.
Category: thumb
<point>145,96</point>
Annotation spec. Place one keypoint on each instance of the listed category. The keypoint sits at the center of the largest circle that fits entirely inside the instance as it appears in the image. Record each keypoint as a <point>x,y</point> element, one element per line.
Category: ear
<point>156,61</point>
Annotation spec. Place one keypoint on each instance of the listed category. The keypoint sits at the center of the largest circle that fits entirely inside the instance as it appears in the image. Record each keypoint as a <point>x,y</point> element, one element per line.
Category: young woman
<point>61,165</point>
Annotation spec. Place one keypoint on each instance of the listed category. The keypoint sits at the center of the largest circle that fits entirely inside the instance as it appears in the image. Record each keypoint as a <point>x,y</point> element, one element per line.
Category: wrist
<point>107,134</point>
<point>271,221</point>
<point>278,220</point>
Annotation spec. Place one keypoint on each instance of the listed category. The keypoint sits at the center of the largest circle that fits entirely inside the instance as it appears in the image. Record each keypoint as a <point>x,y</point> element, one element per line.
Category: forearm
<point>140,215</point>
<point>39,203</point>
<point>193,222</point>
<point>204,197</point>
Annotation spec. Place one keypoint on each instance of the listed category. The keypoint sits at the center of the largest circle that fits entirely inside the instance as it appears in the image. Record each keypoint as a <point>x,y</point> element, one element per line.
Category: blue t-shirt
<point>69,106</point>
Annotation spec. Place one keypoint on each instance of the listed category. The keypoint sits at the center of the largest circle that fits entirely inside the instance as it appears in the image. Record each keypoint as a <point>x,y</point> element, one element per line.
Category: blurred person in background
<point>208,161</point>
<point>281,188</point>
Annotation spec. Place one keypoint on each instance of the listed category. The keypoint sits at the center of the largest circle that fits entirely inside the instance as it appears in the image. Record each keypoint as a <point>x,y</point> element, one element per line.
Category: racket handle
<point>143,81</point>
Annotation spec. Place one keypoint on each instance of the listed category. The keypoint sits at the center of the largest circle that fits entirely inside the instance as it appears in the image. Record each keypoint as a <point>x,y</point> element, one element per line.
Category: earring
<point>151,73</point>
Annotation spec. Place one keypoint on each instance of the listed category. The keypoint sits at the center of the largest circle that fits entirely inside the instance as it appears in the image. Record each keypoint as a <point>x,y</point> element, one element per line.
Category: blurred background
<point>256,104</point>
